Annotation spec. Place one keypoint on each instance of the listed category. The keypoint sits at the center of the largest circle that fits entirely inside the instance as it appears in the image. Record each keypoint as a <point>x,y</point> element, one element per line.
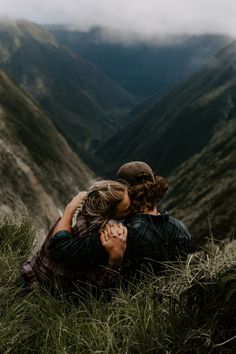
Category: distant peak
<point>23,28</point>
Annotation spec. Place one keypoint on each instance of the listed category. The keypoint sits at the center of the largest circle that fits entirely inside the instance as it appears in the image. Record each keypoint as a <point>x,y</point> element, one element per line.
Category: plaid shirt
<point>152,240</point>
<point>43,269</point>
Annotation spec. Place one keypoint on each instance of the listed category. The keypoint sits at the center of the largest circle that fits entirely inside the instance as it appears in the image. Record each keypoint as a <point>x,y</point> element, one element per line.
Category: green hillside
<point>182,123</point>
<point>143,68</point>
<point>203,189</point>
<point>84,104</point>
<point>38,169</point>
<point>190,135</point>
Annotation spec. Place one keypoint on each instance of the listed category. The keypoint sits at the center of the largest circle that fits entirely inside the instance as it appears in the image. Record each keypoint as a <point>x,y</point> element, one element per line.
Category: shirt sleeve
<point>179,243</point>
<point>184,239</point>
<point>86,251</point>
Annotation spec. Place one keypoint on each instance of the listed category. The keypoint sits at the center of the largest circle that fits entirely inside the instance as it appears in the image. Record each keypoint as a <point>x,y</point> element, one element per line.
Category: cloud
<point>141,17</point>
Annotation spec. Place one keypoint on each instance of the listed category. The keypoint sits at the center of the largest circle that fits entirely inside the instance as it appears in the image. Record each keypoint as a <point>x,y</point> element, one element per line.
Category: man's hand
<point>113,238</point>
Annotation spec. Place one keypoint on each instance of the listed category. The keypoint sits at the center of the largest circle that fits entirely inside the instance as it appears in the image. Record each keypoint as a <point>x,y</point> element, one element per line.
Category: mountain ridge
<point>202,190</point>
<point>181,123</point>
<point>163,62</point>
<point>38,168</point>
<point>83,103</point>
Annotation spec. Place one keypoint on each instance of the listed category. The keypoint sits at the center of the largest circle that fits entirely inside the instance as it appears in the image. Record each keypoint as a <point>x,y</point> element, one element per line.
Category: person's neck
<point>151,212</point>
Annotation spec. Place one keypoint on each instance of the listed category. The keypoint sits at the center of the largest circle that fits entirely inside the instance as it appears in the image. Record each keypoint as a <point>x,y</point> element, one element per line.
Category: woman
<point>103,201</point>
<point>154,237</point>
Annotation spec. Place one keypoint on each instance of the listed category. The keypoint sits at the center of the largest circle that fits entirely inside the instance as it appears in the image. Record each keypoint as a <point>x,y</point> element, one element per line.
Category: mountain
<point>38,169</point>
<point>142,67</point>
<point>203,189</point>
<point>83,103</point>
<point>181,124</point>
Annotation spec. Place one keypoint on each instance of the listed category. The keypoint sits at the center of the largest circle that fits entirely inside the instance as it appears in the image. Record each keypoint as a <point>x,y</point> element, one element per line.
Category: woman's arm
<point>65,222</point>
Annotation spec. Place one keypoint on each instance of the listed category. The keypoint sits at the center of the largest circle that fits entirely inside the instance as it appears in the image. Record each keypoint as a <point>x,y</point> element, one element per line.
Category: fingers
<point>107,227</point>
<point>113,239</point>
<point>81,195</point>
<point>78,199</point>
<point>115,231</point>
<point>106,235</point>
<point>125,231</point>
<point>103,238</point>
<point>121,230</point>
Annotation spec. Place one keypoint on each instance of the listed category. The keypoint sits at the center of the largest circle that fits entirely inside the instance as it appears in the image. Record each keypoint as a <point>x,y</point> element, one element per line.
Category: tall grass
<point>188,310</point>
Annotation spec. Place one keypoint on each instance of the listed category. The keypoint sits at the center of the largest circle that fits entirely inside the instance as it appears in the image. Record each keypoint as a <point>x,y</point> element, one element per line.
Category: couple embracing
<point>112,232</point>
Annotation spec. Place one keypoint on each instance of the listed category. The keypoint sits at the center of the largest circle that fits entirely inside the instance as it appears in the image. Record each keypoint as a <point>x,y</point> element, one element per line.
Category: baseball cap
<point>136,172</point>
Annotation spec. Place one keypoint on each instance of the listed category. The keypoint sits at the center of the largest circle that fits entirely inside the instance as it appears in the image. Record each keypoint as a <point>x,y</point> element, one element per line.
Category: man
<point>154,237</point>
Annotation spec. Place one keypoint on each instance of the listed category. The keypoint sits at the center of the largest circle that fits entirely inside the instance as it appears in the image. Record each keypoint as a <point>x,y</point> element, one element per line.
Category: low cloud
<point>145,18</point>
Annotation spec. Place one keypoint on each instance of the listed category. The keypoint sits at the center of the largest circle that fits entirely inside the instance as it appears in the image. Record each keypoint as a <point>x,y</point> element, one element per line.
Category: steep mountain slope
<point>83,103</point>
<point>182,123</point>
<point>37,167</point>
<point>203,189</point>
<point>142,68</point>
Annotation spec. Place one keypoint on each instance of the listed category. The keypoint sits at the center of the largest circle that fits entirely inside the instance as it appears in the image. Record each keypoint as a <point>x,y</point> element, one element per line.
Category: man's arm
<point>86,251</point>
<point>106,275</point>
<point>93,249</point>
<point>65,248</point>
<point>90,250</point>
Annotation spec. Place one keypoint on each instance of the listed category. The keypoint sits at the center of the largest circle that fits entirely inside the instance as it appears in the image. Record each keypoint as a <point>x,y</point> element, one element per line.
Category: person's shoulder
<point>136,221</point>
<point>179,226</point>
<point>139,219</point>
<point>176,222</point>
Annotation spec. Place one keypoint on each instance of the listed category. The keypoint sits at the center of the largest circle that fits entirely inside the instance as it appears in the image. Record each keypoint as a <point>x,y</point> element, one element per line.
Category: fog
<point>136,18</point>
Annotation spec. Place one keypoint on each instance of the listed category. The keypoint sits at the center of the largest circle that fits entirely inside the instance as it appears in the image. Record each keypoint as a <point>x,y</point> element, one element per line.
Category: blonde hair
<point>101,202</point>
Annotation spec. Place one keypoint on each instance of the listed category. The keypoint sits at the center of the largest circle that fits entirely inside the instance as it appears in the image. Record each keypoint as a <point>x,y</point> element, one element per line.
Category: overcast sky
<point>145,17</point>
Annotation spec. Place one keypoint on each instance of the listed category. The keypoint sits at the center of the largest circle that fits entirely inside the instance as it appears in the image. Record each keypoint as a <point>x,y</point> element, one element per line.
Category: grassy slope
<point>204,187</point>
<point>37,166</point>
<point>82,101</point>
<point>182,123</point>
<point>188,310</point>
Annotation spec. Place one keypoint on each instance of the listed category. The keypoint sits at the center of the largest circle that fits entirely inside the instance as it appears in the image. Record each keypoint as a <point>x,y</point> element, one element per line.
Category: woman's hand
<point>66,219</point>
<point>76,201</point>
<point>113,238</point>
